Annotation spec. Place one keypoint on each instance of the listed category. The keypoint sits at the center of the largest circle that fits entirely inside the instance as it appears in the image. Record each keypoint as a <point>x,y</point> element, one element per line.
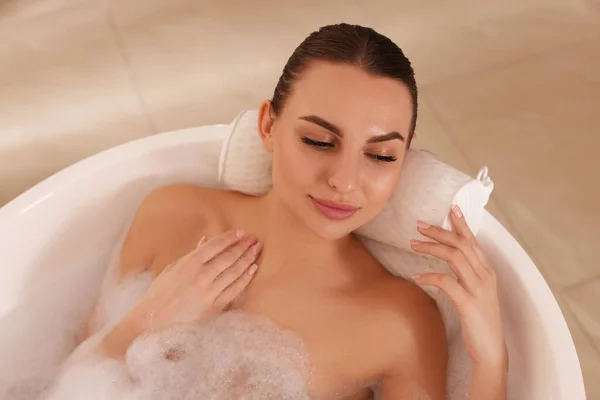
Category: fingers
<point>461,238</point>
<point>229,256</point>
<point>455,259</point>
<point>460,224</point>
<point>452,239</point>
<point>210,249</point>
<point>168,269</point>
<point>458,248</point>
<point>484,262</point>
<point>457,294</point>
<point>232,273</point>
<point>232,291</point>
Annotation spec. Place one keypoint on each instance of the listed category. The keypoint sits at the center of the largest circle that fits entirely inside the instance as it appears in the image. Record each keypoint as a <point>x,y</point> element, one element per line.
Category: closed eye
<point>328,145</point>
<point>317,143</point>
<point>378,157</point>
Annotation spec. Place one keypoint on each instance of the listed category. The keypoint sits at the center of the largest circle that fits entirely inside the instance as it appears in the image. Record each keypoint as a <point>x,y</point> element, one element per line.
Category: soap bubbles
<point>234,356</point>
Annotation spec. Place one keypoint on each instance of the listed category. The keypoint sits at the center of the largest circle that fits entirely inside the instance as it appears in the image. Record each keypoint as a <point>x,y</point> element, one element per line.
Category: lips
<point>334,210</point>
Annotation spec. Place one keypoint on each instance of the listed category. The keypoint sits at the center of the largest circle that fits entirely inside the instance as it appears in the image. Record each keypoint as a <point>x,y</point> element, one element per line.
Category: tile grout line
<point>462,76</point>
<point>513,230</point>
<point>582,282</point>
<point>427,89</point>
<point>583,329</point>
<point>136,88</point>
<point>563,293</point>
<point>440,121</point>
<point>520,239</point>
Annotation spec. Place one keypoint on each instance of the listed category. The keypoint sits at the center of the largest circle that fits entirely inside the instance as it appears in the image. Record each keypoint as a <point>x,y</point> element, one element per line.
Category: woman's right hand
<point>196,288</point>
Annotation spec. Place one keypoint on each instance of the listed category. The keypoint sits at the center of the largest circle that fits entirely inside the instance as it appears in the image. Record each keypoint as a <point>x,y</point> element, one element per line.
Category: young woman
<point>341,119</point>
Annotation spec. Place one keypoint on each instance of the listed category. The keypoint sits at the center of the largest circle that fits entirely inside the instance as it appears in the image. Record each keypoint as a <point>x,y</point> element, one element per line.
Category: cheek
<point>293,165</point>
<point>380,187</point>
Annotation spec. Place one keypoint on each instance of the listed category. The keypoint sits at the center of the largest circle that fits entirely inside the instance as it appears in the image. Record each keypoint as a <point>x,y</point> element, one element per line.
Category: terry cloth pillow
<point>427,188</point>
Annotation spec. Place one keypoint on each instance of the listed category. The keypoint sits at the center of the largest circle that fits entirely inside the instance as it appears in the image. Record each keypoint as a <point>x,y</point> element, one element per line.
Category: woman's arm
<point>489,382</point>
<point>117,340</point>
<point>475,298</point>
<point>197,287</point>
<point>144,235</point>
<point>167,221</point>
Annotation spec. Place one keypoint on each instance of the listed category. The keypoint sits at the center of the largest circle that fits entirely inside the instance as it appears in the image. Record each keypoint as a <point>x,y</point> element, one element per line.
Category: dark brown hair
<point>349,44</point>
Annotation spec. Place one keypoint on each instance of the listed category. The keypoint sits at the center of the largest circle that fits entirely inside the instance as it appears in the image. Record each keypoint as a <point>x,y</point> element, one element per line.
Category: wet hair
<point>349,44</point>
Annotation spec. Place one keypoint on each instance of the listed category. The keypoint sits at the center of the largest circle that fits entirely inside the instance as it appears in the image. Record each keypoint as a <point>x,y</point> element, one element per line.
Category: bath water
<point>234,356</point>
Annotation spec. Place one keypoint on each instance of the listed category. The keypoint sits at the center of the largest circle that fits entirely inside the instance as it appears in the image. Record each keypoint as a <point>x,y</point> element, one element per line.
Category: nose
<point>344,176</point>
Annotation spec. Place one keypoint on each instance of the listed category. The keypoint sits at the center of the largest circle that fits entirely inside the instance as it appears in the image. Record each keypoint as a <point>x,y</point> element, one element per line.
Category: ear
<point>265,124</point>
<point>412,137</point>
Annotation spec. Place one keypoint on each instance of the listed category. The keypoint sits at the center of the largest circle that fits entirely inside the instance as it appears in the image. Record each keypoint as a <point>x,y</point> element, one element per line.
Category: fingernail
<point>252,269</point>
<point>256,248</point>
<point>456,211</point>
<point>416,276</point>
<point>239,233</point>
<point>423,224</point>
<point>201,241</point>
<point>415,242</point>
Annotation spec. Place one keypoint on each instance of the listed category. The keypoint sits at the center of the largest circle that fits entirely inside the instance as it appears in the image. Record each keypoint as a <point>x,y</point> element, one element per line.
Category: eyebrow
<point>338,132</point>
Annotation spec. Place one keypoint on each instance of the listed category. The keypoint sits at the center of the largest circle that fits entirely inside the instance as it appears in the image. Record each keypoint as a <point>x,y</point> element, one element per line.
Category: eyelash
<point>317,143</point>
<point>327,145</point>
<point>377,157</point>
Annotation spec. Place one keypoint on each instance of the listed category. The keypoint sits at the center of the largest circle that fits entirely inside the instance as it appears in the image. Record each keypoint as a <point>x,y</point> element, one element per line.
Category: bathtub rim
<point>566,361</point>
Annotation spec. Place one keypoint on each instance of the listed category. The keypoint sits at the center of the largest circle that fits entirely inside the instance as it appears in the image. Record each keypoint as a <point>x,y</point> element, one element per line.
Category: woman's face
<point>338,146</point>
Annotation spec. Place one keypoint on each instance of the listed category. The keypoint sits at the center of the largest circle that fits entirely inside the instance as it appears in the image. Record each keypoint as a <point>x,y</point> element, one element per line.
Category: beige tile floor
<point>514,85</point>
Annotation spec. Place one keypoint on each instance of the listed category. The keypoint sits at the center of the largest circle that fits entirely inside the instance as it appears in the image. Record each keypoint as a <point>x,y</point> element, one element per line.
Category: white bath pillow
<point>426,191</point>
<point>244,165</point>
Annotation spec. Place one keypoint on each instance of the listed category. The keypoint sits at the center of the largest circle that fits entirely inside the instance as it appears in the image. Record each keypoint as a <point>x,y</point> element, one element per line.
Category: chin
<point>331,230</point>
<point>328,227</point>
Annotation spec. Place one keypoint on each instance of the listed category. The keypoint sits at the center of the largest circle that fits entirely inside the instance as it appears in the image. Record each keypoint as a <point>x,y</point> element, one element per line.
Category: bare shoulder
<point>404,307</point>
<point>406,329</point>
<point>177,206</point>
<point>412,331</point>
<point>166,222</point>
<point>409,308</point>
<point>402,304</point>
<point>185,196</point>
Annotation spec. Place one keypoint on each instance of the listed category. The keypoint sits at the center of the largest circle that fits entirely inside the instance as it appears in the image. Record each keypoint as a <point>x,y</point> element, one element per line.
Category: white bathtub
<point>70,222</point>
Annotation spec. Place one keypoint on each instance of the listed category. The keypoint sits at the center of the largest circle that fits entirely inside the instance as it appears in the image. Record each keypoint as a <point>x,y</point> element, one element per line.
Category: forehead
<point>351,98</point>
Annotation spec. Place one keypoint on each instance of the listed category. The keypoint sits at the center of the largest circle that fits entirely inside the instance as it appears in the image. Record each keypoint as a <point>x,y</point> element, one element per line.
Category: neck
<point>288,241</point>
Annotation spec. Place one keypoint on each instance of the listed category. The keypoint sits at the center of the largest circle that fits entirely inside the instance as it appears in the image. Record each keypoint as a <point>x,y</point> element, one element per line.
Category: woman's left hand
<point>473,294</point>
